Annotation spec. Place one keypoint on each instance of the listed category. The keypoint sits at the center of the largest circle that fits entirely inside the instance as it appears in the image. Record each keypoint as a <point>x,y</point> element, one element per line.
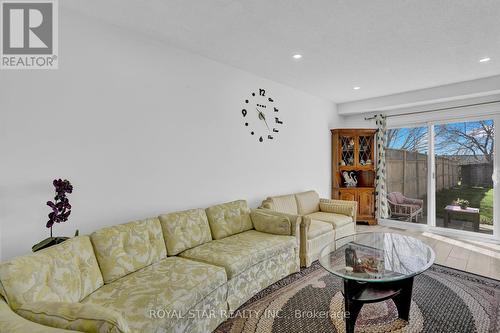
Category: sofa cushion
<point>11,322</point>
<point>271,224</point>
<point>125,248</point>
<point>229,218</point>
<point>75,316</point>
<point>172,284</point>
<point>337,220</point>
<point>239,252</point>
<point>184,230</point>
<point>283,203</point>
<point>318,228</point>
<point>66,272</point>
<point>396,197</point>
<point>307,202</point>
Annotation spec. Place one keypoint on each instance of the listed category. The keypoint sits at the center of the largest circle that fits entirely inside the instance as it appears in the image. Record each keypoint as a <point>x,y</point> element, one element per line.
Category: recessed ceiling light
<point>297,56</point>
<point>356,88</point>
<point>485,59</point>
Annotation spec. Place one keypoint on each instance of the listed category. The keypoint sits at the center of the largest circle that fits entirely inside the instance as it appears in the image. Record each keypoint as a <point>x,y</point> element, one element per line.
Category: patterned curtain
<point>380,186</point>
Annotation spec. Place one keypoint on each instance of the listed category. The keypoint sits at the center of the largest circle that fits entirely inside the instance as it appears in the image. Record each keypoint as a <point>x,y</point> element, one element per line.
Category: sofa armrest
<point>295,220</point>
<point>271,223</point>
<point>11,322</point>
<point>89,318</point>
<point>299,228</point>
<point>267,204</point>
<point>344,207</point>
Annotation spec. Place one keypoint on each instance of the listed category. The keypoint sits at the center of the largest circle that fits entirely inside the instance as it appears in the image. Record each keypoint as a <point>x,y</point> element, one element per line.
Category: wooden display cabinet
<point>353,152</point>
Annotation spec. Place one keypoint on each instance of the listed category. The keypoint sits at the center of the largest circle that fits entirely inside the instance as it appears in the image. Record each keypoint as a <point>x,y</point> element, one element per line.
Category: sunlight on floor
<point>472,256</point>
<point>495,253</point>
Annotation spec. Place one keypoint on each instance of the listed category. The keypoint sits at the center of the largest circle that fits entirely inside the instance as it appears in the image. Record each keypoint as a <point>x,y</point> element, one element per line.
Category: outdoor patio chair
<point>408,208</point>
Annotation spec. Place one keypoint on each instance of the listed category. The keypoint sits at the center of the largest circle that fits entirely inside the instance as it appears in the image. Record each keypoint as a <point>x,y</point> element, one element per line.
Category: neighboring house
<point>468,159</point>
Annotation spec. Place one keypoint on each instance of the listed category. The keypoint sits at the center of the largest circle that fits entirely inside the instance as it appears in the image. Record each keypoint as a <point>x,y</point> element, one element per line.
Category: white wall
<point>141,128</point>
<point>410,116</point>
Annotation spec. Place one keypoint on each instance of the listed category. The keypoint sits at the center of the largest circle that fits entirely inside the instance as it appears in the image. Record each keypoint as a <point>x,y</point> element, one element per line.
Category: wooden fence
<point>407,173</point>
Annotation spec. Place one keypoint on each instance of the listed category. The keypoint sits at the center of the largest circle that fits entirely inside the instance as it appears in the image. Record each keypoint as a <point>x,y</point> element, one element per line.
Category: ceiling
<point>382,46</point>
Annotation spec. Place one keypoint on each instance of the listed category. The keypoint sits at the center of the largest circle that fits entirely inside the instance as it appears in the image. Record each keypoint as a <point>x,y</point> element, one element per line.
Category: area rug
<point>444,300</point>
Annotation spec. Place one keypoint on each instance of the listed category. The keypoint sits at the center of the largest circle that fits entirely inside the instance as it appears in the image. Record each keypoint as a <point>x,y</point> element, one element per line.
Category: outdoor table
<point>456,209</point>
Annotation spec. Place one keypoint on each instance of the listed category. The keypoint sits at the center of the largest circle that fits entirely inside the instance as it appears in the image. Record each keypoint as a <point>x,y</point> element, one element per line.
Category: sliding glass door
<point>454,189</point>
<point>407,175</point>
<point>464,164</point>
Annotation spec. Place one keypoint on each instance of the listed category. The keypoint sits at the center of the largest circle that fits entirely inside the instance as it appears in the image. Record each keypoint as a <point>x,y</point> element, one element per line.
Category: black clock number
<point>262,92</point>
<point>276,110</point>
<point>260,139</point>
<point>270,137</point>
<point>277,120</point>
<point>244,112</point>
<point>270,100</point>
<point>275,130</point>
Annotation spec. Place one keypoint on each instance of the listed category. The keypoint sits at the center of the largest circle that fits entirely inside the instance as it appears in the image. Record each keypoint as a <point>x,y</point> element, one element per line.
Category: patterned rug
<point>444,300</point>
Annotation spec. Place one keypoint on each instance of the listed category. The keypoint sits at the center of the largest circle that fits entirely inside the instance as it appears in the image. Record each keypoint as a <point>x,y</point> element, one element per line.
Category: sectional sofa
<point>179,272</point>
<point>323,220</point>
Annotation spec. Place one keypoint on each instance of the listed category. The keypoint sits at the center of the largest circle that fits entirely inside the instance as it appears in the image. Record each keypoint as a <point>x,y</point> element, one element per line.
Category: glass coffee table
<point>375,267</point>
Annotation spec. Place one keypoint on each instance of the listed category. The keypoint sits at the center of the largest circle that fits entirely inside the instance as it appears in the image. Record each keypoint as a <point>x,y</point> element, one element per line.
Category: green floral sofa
<point>179,272</point>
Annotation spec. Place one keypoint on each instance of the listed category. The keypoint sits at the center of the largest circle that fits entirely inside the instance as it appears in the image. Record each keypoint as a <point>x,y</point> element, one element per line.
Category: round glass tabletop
<point>376,257</point>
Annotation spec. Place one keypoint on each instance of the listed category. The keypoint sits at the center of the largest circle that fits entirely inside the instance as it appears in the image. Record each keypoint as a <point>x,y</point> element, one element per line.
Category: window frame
<point>431,180</point>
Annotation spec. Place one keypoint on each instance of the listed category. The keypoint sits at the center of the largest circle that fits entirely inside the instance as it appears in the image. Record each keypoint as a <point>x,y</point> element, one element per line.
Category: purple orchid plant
<point>61,208</point>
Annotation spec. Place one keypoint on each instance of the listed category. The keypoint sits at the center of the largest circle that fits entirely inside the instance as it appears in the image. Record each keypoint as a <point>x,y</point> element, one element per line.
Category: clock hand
<point>265,121</point>
<point>263,117</point>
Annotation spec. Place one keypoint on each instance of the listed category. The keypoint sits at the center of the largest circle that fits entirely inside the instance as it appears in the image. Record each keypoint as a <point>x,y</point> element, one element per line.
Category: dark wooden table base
<point>357,293</point>
<point>475,223</point>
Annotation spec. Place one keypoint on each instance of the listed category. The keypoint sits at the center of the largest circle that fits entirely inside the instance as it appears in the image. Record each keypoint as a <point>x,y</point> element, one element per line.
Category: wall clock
<point>261,116</point>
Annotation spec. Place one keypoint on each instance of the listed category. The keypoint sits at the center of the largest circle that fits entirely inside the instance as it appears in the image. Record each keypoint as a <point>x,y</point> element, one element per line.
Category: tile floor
<point>467,255</point>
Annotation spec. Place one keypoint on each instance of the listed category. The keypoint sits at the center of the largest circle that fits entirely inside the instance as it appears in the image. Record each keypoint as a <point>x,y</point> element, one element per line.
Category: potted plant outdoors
<point>61,210</point>
<point>462,203</point>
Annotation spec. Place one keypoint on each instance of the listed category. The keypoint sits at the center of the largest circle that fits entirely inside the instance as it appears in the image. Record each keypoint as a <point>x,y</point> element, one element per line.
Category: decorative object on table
<point>462,203</point>
<point>260,114</point>
<point>350,258</point>
<point>365,260</point>
<point>61,210</point>
<point>354,150</point>
<point>350,179</point>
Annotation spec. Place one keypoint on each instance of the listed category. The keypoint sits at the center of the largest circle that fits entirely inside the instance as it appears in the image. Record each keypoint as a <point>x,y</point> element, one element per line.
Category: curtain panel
<point>381,186</point>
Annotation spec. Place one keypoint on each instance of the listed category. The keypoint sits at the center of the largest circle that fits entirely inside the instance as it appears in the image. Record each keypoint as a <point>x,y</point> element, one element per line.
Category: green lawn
<point>479,197</point>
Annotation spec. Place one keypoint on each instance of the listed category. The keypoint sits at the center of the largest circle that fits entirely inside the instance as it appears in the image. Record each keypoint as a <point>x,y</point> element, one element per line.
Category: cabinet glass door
<point>365,153</point>
<point>347,150</point>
